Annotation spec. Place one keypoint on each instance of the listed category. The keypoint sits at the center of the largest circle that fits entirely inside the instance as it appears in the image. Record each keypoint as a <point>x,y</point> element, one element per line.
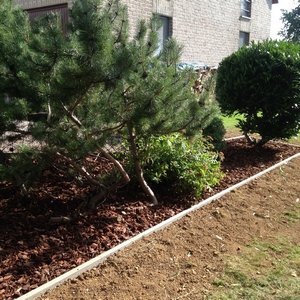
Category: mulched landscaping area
<point>34,248</point>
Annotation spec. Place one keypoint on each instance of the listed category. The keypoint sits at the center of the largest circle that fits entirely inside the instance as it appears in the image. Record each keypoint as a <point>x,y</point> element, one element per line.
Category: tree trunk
<point>117,164</point>
<point>137,166</point>
<point>262,141</point>
<point>249,139</point>
<point>94,201</point>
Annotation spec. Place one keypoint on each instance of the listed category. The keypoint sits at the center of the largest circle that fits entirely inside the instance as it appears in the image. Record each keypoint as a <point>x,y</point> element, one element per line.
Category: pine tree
<point>96,82</point>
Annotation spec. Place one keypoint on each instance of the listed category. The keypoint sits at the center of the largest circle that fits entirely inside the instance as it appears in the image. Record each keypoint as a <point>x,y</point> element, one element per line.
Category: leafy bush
<point>262,83</point>
<point>173,159</point>
<point>215,133</point>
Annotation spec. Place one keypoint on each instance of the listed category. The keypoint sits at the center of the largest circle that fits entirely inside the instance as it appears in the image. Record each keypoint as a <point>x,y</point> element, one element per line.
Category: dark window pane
<point>244,39</point>
<point>246,8</point>
<point>164,32</point>
<point>61,9</point>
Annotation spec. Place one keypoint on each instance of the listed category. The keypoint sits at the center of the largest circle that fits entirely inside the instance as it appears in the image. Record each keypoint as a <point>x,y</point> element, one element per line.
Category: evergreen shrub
<point>261,82</point>
<point>24,167</point>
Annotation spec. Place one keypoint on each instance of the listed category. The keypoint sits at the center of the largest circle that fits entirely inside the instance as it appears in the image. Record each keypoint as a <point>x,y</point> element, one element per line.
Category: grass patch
<point>264,270</point>
<point>293,215</point>
<point>295,139</point>
<point>230,122</point>
<point>231,129</point>
<point>230,125</point>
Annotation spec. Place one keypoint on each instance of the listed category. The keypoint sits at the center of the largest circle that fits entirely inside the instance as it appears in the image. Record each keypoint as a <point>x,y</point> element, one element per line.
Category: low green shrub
<point>188,165</point>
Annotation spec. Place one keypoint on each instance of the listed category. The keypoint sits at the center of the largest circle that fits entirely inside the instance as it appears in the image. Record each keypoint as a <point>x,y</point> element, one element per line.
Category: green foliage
<point>24,167</point>
<point>215,133</point>
<point>14,31</point>
<point>189,165</point>
<point>15,109</point>
<point>94,82</point>
<point>213,129</point>
<point>262,83</point>
<point>291,24</point>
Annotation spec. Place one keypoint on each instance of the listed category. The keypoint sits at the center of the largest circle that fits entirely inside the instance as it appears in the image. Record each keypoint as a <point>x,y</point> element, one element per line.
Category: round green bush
<point>262,82</point>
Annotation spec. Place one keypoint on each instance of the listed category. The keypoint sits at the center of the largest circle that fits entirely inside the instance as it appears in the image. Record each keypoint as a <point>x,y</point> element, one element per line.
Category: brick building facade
<point>209,29</point>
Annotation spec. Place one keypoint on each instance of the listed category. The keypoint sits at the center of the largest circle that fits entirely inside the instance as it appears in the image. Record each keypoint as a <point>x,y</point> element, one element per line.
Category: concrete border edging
<point>102,257</point>
<point>234,138</point>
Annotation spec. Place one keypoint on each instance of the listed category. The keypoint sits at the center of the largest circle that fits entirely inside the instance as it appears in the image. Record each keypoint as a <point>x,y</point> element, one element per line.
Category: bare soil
<point>177,262</point>
<point>182,261</point>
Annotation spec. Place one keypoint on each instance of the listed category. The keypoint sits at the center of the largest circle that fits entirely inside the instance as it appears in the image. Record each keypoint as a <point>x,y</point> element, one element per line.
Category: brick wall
<point>28,4</point>
<point>138,10</point>
<point>208,29</point>
<point>261,19</point>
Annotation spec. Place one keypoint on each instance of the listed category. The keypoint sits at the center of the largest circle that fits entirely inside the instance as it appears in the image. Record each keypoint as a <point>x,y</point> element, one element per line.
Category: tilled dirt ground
<point>34,249</point>
<point>181,261</point>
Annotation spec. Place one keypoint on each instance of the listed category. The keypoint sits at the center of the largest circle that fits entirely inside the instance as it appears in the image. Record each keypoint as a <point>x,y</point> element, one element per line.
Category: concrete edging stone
<point>96,261</point>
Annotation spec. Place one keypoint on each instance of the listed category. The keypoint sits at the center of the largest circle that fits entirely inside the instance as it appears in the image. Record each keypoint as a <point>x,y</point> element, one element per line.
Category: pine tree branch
<point>123,121</point>
<point>72,117</point>
<point>249,139</point>
<point>77,122</point>
<point>118,165</point>
<point>49,115</point>
<point>81,170</point>
<point>126,179</point>
<point>118,39</point>
<point>84,92</point>
<point>114,128</point>
<point>78,101</point>
<point>184,126</point>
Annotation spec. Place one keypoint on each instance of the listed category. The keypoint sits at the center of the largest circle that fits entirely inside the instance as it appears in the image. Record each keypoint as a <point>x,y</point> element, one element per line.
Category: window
<point>61,9</point>
<point>164,32</point>
<point>246,8</point>
<point>244,39</point>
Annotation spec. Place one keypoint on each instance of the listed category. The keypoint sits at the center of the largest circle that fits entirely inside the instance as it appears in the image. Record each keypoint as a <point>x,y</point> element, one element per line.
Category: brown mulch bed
<point>34,250</point>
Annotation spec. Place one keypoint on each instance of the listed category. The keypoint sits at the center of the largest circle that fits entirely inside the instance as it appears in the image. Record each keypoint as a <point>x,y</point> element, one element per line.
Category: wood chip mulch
<point>35,249</point>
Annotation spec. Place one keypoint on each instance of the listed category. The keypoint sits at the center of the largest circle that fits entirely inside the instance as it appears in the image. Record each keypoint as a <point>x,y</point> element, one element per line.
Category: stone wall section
<point>208,29</point>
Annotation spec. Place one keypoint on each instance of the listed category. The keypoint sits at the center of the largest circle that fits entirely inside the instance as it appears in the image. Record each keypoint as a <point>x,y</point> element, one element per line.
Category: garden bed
<point>245,246</point>
<point>34,249</point>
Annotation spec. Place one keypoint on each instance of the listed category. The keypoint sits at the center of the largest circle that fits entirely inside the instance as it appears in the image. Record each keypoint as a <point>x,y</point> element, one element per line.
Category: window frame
<point>246,8</point>
<point>244,38</point>
<point>164,32</point>
<point>62,9</point>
